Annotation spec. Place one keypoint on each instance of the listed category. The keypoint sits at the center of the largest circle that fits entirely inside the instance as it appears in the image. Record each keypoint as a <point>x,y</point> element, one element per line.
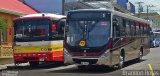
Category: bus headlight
<point>105,54</point>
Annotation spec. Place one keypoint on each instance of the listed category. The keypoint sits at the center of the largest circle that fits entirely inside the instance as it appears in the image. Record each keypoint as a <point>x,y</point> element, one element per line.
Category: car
<point>156,42</point>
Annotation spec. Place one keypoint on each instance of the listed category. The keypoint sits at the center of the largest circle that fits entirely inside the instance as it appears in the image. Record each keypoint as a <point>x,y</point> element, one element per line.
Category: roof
<point>45,14</point>
<point>38,15</point>
<point>114,12</point>
<point>15,7</point>
<point>149,14</point>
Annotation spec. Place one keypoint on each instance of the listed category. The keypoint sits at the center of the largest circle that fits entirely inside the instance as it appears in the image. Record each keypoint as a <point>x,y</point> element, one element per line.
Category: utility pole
<point>63,5</point>
<point>140,8</point>
<point>148,9</point>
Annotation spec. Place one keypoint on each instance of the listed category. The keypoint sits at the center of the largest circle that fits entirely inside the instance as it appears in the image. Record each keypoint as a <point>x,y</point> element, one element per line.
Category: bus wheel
<point>121,62</point>
<point>34,64</point>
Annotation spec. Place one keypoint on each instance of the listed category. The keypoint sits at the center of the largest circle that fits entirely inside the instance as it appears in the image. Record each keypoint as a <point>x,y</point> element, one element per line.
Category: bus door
<point>116,33</point>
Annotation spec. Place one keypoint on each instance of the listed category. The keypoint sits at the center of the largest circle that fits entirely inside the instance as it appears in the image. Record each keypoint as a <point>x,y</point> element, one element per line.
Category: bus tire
<point>34,64</point>
<point>121,60</point>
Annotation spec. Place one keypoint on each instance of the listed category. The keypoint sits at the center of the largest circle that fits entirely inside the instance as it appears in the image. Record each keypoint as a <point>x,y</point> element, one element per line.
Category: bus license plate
<point>85,63</point>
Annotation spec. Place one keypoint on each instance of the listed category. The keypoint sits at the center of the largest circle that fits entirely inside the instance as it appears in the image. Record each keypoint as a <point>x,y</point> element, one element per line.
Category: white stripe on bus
<point>39,43</point>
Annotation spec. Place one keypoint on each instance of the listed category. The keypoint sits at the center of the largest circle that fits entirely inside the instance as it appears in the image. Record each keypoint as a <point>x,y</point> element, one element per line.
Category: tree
<point>3,23</point>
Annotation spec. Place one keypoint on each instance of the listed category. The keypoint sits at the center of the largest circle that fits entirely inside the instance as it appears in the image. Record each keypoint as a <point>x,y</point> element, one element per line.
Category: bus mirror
<point>54,28</point>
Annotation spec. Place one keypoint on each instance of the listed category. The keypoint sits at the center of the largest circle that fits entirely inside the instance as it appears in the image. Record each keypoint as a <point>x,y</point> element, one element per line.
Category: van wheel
<point>34,64</point>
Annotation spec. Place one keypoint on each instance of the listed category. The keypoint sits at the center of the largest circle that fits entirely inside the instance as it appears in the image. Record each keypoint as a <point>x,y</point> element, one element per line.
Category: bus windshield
<point>95,31</point>
<point>31,29</point>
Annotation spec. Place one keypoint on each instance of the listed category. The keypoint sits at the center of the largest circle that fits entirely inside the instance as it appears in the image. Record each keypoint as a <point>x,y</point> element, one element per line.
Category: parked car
<point>156,42</point>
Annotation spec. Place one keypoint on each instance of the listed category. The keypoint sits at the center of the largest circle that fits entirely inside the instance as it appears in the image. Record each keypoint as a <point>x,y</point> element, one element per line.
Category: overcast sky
<point>156,3</point>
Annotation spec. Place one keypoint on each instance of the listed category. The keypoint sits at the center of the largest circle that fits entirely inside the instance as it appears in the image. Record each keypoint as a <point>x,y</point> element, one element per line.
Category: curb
<point>2,67</point>
<point>5,66</point>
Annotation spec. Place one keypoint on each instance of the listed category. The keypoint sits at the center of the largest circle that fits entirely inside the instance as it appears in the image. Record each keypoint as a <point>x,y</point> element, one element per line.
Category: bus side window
<point>143,29</point>
<point>132,28</point>
<point>54,28</point>
<point>137,29</point>
<point>128,28</point>
<point>124,28</point>
<point>116,28</point>
<point>61,27</point>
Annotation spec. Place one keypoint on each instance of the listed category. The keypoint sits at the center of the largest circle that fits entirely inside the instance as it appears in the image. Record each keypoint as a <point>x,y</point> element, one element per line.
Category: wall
<point>10,24</point>
<point>46,6</point>
<point>6,50</point>
<point>126,5</point>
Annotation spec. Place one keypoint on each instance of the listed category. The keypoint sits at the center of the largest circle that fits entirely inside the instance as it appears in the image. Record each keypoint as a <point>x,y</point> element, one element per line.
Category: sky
<point>155,3</point>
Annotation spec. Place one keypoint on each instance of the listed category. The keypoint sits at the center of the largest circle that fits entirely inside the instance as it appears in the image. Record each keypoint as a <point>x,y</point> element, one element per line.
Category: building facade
<point>8,11</point>
<point>61,6</point>
<point>153,18</point>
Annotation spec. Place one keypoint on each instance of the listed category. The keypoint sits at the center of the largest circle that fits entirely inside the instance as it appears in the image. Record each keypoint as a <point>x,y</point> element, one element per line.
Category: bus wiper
<point>85,31</point>
<point>89,30</point>
<point>92,26</point>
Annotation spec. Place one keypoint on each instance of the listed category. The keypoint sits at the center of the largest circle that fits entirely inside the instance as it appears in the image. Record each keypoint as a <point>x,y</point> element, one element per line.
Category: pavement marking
<point>151,69</point>
<point>61,68</point>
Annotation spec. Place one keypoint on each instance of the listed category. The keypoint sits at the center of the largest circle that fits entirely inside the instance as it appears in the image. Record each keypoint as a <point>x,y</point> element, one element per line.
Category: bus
<point>104,37</point>
<point>38,38</point>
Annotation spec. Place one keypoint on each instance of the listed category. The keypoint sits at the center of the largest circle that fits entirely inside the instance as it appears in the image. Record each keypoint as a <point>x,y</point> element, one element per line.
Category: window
<point>116,28</point>
<point>61,27</point>
<point>3,29</point>
<point>140,29</point>
<point>128,27</point>
<point>4,36</point>
<point>143,31</point>
<point>123,28</point>
<point>133,33</point>
<point>137,29</point>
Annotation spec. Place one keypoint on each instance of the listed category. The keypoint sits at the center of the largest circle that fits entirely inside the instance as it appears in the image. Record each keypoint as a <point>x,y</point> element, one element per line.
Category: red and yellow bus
<point>104,37</point>
<point>38,38</point>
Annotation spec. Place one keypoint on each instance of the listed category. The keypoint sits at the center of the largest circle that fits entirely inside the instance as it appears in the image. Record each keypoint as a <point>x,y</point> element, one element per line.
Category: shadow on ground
<point>95,69</point>
<point>88,70</point>
<point>41,66</point>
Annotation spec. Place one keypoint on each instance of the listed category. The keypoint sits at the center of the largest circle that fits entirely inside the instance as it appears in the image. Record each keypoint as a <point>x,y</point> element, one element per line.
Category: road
<point>150,66</point>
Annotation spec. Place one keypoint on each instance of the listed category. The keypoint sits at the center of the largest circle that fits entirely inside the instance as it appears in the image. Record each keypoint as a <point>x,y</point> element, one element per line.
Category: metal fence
<point>6,51</point>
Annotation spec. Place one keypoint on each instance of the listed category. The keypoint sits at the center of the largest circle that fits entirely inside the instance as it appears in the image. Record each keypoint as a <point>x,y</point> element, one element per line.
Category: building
<point>8,11</point>
<point>62,6</point>
<point>46,6</point>
<point>153,18</point>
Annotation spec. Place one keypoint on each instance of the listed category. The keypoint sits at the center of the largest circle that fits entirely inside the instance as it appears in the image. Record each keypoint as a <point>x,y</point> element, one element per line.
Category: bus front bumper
<point>103,60</point>
<point>35,57</point>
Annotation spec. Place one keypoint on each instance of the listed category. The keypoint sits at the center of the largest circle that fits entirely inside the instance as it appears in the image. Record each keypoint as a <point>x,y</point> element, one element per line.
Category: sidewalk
<point>4,62</point>
<point>4,66</point>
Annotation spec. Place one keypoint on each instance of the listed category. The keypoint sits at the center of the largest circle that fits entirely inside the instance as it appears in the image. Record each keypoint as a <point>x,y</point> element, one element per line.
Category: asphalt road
<point>150,66</point>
